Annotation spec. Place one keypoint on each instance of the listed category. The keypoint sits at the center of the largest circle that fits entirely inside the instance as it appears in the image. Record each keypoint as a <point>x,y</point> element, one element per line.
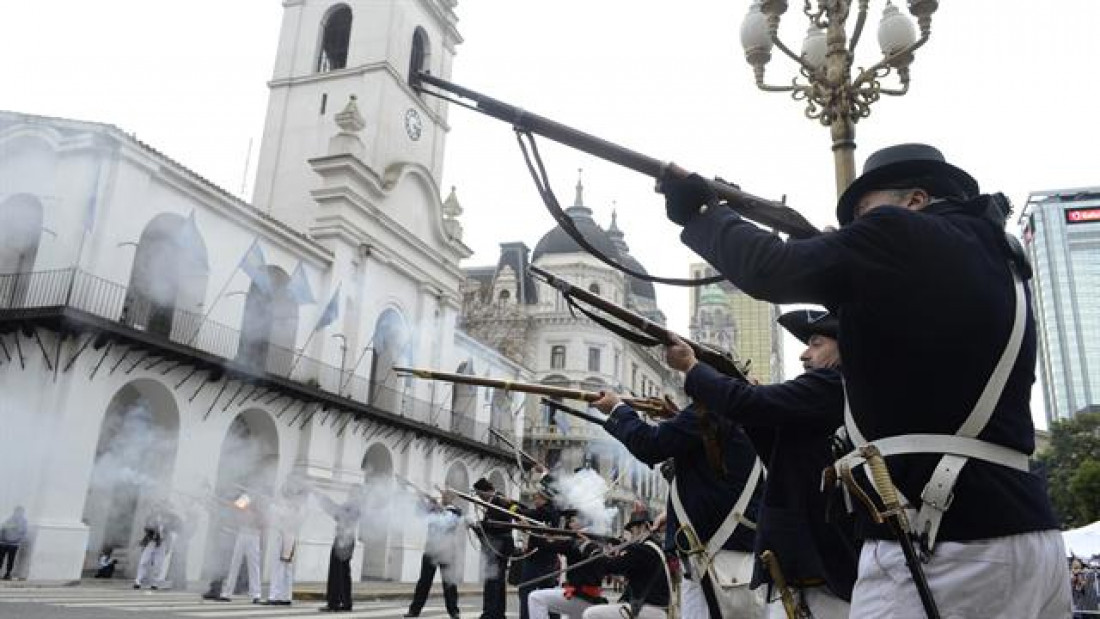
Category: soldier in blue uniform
<point>937,339</point>
<point>539,560</point>
<point>814,546</point>
<point>715,487</point>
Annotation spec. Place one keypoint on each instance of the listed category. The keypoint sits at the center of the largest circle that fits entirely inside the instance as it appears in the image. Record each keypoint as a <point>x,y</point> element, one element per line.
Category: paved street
<point>113,603</point>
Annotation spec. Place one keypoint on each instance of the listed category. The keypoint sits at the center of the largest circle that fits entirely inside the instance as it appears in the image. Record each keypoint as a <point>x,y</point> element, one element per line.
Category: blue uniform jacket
<point>925,303</point>
<point>812,537</point>
<point>707,497</point>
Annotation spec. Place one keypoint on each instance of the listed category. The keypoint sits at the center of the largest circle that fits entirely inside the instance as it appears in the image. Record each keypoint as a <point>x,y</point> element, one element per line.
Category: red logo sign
<point>1082,215</point>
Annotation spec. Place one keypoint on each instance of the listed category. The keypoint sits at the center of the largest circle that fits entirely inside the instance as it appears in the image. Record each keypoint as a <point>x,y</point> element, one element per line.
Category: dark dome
<point>557,241</point>
<point>638,287</point>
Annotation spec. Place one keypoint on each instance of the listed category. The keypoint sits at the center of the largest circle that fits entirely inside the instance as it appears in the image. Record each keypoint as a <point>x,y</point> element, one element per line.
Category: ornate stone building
<point>168,341</point>
<point>504,307</point>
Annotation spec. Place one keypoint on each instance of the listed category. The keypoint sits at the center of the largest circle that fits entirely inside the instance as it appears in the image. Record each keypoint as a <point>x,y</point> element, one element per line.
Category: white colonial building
<point>531,322</point>
<point>158,338</point>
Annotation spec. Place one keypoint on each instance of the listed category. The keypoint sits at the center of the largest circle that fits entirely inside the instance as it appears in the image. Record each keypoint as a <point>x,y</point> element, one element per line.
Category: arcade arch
<point>134,460</point>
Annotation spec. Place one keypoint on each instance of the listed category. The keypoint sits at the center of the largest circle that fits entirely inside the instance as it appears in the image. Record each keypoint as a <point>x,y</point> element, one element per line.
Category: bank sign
<point>1083,215</point>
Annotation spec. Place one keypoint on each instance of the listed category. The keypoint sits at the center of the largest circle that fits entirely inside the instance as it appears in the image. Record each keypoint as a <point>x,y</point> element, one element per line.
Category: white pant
<point>821,602</point>
<point>545,601</point>
<point>615,611</point>
<point>167,545</point>
<point>282,573</point>
<point>743,602</point>
<point>247,547</point>
<point>1015,577</point>
<point>150,565</point>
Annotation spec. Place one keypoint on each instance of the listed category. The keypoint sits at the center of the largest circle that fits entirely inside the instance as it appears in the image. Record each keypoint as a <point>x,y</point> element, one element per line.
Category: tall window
<point>593,359</point>
<point>633,376</point>
<point>504,296</point>
<point>335,37</point>
<point>418,59</point>
<point>557,357</point>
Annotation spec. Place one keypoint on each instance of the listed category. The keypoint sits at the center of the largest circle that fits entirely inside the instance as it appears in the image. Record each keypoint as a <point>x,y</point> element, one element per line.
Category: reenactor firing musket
<point>767,212</point>
<point>717,359</point>
<point>653,406</point>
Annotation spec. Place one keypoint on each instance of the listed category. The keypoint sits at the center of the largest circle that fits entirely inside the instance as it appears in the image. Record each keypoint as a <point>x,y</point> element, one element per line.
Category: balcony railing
<point>73,288</point>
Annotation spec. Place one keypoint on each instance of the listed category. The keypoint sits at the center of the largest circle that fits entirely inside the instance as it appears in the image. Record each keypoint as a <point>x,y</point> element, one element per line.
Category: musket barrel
<point>558,406</point>
<point>711,356</point>
<point>768,212</point>
<point>648,405</point>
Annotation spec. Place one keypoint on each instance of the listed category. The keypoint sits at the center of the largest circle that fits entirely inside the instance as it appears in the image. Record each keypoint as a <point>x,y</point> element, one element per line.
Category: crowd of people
<point>891,479</point>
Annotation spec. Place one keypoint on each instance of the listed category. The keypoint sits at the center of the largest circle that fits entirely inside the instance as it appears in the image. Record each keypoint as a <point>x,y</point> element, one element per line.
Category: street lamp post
<point>832,94</point>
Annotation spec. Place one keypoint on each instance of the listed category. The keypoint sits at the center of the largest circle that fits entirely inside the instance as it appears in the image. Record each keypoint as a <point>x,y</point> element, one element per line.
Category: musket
<point>522,454</point>
<point>648,405</point>
<point>558,406</point>
<point>715,358</point>
<point>893,514</point>
<point>793,609</point>
<point>767,212</point>
<point>487,505</point>
<point>545,531</point>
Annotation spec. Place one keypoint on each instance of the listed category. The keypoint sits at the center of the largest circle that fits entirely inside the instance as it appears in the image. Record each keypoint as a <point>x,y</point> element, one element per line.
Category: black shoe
<point>222,598</point>
<point>7,576</point>
<point>137,586</point>
<point>411,614</point>
<point>154,587</point>
<point>257,601</point>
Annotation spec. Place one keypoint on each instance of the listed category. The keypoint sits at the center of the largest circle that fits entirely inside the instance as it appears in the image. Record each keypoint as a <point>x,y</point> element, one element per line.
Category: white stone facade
<point>133,339</point>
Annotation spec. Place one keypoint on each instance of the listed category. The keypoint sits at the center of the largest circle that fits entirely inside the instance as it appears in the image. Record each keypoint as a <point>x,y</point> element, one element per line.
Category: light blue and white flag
<point>331,311</point>
<point>255,266</point>
<point>299,286</point>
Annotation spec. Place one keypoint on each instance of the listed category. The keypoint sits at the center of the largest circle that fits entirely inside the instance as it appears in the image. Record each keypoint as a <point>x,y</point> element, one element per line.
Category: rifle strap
<point>638,338</point>
<point>542,183</point>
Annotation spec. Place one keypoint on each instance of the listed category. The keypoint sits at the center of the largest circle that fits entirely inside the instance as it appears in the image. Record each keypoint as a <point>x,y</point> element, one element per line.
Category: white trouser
<point>282,573</point>
<point>1016,577</point>
<point>615,611</point>
<point>247,547</point>
<point>168,544</point>
<point>545,601</point>
<point>821,602</point>
<point>282,581</point>
<point>740,602</point>
<point>149,566</point>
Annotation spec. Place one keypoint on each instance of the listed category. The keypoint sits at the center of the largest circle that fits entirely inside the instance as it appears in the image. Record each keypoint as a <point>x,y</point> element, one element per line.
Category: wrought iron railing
<point>114,302</point>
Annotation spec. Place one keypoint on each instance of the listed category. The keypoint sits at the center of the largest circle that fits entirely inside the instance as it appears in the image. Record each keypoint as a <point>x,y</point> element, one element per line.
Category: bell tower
<point>330,51</point>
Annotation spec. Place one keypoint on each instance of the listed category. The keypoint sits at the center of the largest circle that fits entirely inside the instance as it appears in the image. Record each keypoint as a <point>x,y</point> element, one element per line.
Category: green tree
<point>1073,469</point>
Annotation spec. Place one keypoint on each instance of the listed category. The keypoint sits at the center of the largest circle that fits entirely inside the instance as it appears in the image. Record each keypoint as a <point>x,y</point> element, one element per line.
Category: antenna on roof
<point>244,176</point>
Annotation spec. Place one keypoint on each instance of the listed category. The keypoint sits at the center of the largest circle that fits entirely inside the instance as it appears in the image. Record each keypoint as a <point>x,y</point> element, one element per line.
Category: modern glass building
<point>1061,232</point>
<point>729,319</point>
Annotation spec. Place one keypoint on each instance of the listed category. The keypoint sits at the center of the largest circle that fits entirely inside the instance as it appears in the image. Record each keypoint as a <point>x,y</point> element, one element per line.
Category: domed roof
<point>609,242</point>
<point>557,241</point>
<point>711,294</point>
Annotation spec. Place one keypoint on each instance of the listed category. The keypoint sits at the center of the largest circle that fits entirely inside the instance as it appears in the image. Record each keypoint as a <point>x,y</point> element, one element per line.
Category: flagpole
<point>213,304</point>
<point>88,223</point>
<point>301,352</point>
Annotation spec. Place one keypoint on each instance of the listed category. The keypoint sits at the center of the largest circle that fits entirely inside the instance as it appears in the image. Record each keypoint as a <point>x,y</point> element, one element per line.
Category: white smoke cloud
<point>586,492</point>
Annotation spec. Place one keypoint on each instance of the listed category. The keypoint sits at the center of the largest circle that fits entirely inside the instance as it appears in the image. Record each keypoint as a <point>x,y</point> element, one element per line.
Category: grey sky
<point>1002,88</point>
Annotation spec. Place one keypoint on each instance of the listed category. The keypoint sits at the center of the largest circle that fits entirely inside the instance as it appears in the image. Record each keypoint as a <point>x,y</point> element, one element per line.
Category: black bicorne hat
<point>887,167</point>
<point>484,485</point>
<point>806,323</point>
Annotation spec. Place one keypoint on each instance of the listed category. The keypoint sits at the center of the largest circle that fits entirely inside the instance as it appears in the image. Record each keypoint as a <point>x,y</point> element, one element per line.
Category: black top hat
<point>484,485</point>
<point>637,517</point>
<point>806,323</point>
<point>894,164</point>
